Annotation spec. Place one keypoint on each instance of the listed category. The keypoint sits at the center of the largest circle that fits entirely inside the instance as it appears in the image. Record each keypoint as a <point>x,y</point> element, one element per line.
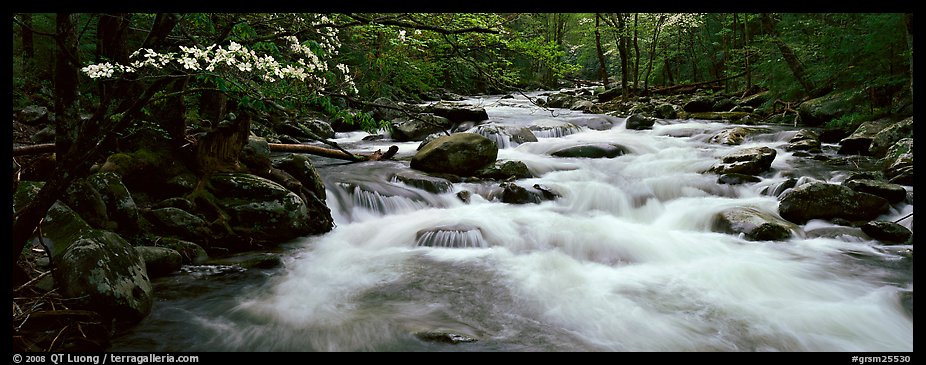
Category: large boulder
<point>755,225</point>
<point>561,100</point>
<point>818,111</point>
<point>723,105</point>
<point>84,199</point>
<point>179,223</point>
<point>592,150</point>
<point>460,154</point>
<point>887,137</point>
<point>388,110</point>
<point>596,122</point>
<point>666,111</point>
<point>898,162</point>
<point>120,206</point>
<point>735,135</point>
<point>699,104</point>
<point>459,113</point>
<point>804,140</point>
<point>418,127</point>
<point>640,122</point>
<point>821,200</point>
<point>749,161</point>
<point>755,100</point>
<point>33,115</point>
<point>301,167</point>
<point>892,192</point>
<point>263,210</point>
<point>859,142</point>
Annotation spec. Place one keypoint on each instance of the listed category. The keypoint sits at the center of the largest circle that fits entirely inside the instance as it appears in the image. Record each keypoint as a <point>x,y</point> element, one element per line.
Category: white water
<point>624,260</point>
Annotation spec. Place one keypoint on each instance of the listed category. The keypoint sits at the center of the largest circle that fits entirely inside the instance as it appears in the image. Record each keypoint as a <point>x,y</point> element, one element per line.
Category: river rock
<point>821,200</point>
<point>417,128</point>
<point>666,111</point>
<point>755,100</point>
<point>898,162</point>
<point>596,122</point>
<point>504,135</point>
<point>592,150</point>
<point>561,100</point>
<point>723,105</point>
<point>190,253</point>
<point>699,104</point>
<point>815,112</point>
<point>458,112</point>
<point>640,122</point>
<point>451,236</point>
<point>838,232</point>
<point>263,210</point>
<point>301,167</point>
<point>515,194</point>
<point>552,128</point>
<point>389,109</point>
<point>179,223</point>
<point>120,205</point>
<point>460,154</point>
<point>755,225</point>
<point>888,232</point>
<point>859,142</point>
<point>736,179</point>
<point>431,184</point>
<point>730,136</point>
<point>159,261</point>
<point>804,140</point>
<point>107,275</point>
<point>779,188</point>
<point>609,94</point>
<point>502,170</point>
<point>892,192</point>
<point>750,161</point>
<point>445,337</point>
<point>887,137</point>
<point>84,199</point>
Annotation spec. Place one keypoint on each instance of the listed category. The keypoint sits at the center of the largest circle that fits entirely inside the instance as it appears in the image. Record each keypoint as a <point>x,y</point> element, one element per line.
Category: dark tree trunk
<point>66,83</point>
<point>111,46</point>
<point>636,54</point>
<point>26,35</point>
<point>908,23</point>
<point>622,49</point>
<point>652,54</point>
<point>797,69</point>
<point>746,52</point>
<point>212,106</point>
<point>173,112</point>
<point>602,68</point>
<point>694,59</point>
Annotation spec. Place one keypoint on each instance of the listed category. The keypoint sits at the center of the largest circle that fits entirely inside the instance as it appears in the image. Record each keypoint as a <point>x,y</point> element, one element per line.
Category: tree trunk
<point>622,49</point>
<point>746,52</point>
<point>67,109</point>
<point>652,53</point>
<point>111,46</point>
<point>602,68</point>
<point>668,67</point>
<point>909,21</point>
<point>636,53</point>
<point>26,36</point>
<point>694,59</point>
<point>797,69</point>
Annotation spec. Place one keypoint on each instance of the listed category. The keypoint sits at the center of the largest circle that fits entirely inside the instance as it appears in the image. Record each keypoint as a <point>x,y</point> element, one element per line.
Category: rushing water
<point>623,260</point>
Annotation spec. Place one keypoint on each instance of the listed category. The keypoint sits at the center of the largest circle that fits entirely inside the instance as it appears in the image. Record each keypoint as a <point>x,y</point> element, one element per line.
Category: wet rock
<point>755,225</point>
<point>561,100</point>
<point>730,136</point>
<point>828,201</point>
<point>451,236</point>
<point>838,232</point>
<point>502,170</point>
<point>736,179</point>
<point>460,154</point>
<point>749,161</point>
<point>640,122</point>
<point>596,122</point>
<point>892,192</point>
<point>250,260</point>
<point>552,128</point>
<point>898,162</point>
<point>888,232</point>
<point>190,253</point>
<point>416,129</point>
<point>464,196</point>
<point>804,140</point>
<point>263,210</point>
<point>592,150</point>
<point>778,189</point>
<point>445,337</point>
<point>458,113</point>
<point>301,167</point>
<point>504,135</point>
<point>723,105</point>
<point>159,261</point>
<point>515,194</point>
<point>888,136</point>
<point>859,142</point>
<point>431,184</point>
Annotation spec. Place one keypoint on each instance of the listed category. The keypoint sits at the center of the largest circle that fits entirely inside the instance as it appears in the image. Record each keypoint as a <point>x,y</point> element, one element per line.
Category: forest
<point>169,102</point>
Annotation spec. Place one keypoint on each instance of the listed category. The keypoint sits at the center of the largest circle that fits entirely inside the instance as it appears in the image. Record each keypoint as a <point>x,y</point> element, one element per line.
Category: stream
<point>623,260</point>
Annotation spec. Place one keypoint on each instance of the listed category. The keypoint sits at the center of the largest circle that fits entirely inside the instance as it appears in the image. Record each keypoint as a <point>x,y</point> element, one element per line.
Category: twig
<point>905,217</point>
<point>30,282</point>
<point>52,344</point>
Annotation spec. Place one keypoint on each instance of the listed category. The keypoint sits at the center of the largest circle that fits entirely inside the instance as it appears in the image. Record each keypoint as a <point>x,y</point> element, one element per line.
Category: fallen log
<point>333,153</point>
<point>694,86</point>
<point>34,149</point>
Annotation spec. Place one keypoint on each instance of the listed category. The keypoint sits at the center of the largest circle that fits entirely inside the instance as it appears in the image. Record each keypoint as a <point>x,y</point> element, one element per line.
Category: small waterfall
<point>451,237</point>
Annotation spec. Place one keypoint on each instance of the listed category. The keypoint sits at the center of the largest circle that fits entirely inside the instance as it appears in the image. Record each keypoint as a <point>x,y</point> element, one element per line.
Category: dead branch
<point>331,153</point>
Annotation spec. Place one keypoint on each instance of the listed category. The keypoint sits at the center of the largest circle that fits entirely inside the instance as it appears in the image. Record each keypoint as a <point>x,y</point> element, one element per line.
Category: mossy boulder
<point>502,170</point>
<point>458,112</point>
<point>640,122</point>
<point>888,232</point>
<point>159,261</point>
<point>120,205</point>
<point>418,127</point>
<point>460,154</point>
<point>749,161</point>
<point>804,140</point>
<point>302,168</point>
<point>818,111</point>
<point>888,136</point>
<point>829,201</point>
<point>859,142</point>
<point>179,223</point>
<point>592,150</point>
<point>754,224</point>
<point>892,192</point>
<point>898,162</point>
